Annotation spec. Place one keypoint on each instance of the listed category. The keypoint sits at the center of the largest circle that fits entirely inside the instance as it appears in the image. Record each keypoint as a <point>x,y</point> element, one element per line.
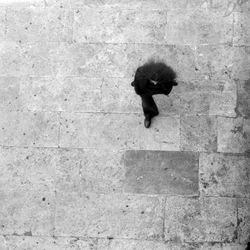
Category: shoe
<point>147,122</point>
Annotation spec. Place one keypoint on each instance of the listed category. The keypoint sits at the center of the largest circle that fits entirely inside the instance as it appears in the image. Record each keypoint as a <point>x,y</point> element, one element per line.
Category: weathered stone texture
<point>200,219</point>
<point>243,100</point>
<point>198,26</point>
<point>161,172</point>
<point>95,215</point>
<point>241,28</point>
<point>29,129</point>
<point>233,135</point>
<point>114,25</point>
<point>244,220</point>
<point>224,175</point>
<point>27,212</point>
<point>198,133</point>
<point>51,243</point>
<point>111,130</point>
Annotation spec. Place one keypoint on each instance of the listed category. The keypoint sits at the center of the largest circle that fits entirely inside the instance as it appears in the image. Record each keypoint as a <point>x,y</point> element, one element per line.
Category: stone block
<point>114,244</point>
<point>53,243</point>
<point>244,220</point>
<point>198,26</point>
<point>89,170</point>
<point>124,4</point>
<point>241,29</point>
<point>61,94</point>
<point>111,130</point>
<point>22,3</point>
<point>233,135</point>
<point>116,25</point>
<point>96,215</point>
<point>119,96</point>
<point>214,62</point>
<point>224,175</point>
<point>27,212</point>
<point>26,25</point>
<point>9,93</point>
<point>241,65</point>
<point>27,168</point>
<point>161,172</point>
<point>29,129</point>
<point>243,101</point>
<point>198,133</point>
<point>200,219</point>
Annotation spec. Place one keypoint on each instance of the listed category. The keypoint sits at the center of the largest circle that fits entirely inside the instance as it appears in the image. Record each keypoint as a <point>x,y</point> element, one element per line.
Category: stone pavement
<point>79,170</point>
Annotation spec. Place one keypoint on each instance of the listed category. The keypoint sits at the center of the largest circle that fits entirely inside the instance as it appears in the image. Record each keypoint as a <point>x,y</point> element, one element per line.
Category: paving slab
<point>233,135</point>
<point>244,220</point>
<point>243,101</point>
<point>200,219</point>
<point>198,133</point>
<point>122,216</point>
<point>52,243</point>
<point>27,212</point>
<point>111,130</point>
<point>161,172</point>
<point>224,175</point>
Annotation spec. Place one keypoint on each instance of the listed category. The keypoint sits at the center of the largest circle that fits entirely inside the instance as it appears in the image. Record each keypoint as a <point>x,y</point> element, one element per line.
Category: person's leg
<point>149,109</point>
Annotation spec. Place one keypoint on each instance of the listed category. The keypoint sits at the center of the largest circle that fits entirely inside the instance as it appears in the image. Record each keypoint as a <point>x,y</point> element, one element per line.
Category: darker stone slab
<point>161,172</point>
<point>243,100</point>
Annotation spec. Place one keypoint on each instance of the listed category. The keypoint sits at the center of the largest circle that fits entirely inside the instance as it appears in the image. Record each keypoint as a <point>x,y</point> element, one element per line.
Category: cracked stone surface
<point>78,168</point>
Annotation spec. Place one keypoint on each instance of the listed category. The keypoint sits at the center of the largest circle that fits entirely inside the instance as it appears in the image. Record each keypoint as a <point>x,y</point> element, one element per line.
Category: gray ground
<point>78,168</point>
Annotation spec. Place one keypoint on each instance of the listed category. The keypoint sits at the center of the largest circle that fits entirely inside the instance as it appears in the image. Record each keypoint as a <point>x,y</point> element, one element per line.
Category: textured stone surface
<point>241,27</point>
<point>9,93</point>
<point>161,172</point>
<point>241,66</point>
<point>215,62</point>
<point>198,26</point>
<point>111,130</point>
<point>29,129</point>
<point>224,175</point>
<point>25,168</point>
<point>55,243</point>
<point>233,135</point>
<point>243,104</point>
<point>27,212</point>
<point>114,25</point>
<point>203,98</point>
<point>244,220</point>
<point>94,215</point>
<point>202,219</point>
<point>198,133</point>
<point>61,94</point>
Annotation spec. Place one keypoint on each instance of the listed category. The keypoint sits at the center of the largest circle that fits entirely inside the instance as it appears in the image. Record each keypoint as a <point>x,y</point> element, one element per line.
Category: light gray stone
<point>123,216</point>
<point>241,28</point>
<point>241,65</point>
<point>114,244</point>
<point>198,133</point>
<point>27,212</point>
<point>2,23</point>
<point>198,26</point>
<point>90,170</point>
<point>29,129</point>
<point>52,243</point>
<point>159,172</point>
<point>200,219</point>
<point>233,135</point>
<point>224,175</point>
<point>214,62</point>
<point>119,96</point>
<point>22,3</point>
<point>244,220</point>
<point>111,130</point>
<point>9,93</point>
<point>61,94</point>
<point>113,25</point>
<point>27,168</point>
